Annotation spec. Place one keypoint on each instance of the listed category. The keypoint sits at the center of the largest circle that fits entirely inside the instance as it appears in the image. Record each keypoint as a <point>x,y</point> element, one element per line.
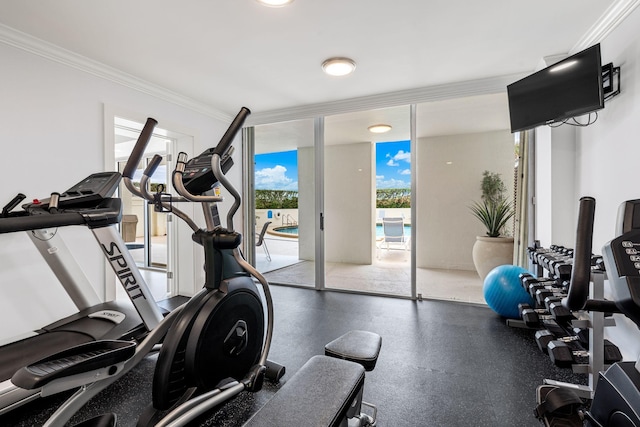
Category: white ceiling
<point>228,53</point>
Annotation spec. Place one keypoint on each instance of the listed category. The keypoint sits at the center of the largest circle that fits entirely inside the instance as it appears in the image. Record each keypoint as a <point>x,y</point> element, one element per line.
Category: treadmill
<point>88,203</point>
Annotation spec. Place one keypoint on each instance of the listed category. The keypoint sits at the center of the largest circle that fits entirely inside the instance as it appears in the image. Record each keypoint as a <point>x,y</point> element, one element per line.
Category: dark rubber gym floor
<point>441,364</point>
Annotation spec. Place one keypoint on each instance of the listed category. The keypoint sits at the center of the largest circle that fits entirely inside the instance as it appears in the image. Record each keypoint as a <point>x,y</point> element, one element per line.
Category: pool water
<point>287,230</point>
<point>379,233</point>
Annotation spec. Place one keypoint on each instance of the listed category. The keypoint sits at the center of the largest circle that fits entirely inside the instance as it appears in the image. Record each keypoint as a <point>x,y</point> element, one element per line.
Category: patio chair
<point>262,242</point>
<point>393,229</point>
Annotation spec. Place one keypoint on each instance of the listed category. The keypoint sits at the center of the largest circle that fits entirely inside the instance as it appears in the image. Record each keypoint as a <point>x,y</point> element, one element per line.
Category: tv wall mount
<point>610,81</point>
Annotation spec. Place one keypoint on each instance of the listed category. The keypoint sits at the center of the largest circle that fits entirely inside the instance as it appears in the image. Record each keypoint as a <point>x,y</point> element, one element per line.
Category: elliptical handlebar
<point>579,286</point>
<point>231,132</point>
<point>138,149</point>
<point>148,172</point>
<point>223,149</point>
<point>153,165</point>
<point>136,156</point>
<point>578,292</point>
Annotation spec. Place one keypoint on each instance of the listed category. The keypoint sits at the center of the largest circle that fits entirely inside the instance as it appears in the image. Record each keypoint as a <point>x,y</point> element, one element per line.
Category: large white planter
<point>490,252</point>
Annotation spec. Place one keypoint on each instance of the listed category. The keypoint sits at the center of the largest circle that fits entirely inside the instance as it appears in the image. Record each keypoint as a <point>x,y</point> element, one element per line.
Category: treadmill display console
<point>90,191</point>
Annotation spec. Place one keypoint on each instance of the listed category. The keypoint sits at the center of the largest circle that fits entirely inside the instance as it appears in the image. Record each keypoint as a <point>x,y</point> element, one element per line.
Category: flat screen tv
<point>569,88</point>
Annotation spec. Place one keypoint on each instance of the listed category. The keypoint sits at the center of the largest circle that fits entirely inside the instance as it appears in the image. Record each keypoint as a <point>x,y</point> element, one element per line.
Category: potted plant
<point>494,211</point>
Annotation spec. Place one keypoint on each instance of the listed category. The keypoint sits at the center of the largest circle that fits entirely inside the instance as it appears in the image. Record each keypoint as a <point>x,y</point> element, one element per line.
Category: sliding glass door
<point>367,201</point>
<point>458,140</point>
<point>387,213</point>
<point>284,198</point>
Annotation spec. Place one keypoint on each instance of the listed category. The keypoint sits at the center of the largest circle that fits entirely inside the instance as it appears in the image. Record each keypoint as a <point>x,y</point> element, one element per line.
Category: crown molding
<point>485,86</point>
<point>28,43</point>
<point>610,19</point>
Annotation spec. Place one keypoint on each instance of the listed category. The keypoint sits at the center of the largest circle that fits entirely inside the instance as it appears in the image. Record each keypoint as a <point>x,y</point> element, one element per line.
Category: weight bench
<point>327,390</point>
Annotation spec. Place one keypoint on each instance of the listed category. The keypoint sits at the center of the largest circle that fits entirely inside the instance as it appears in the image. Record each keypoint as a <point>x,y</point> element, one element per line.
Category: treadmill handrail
<point>108,212</point>
<point>37,222</point>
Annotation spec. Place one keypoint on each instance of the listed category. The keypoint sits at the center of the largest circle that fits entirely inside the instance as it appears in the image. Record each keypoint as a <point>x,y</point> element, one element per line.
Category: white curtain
<point>523,192</point>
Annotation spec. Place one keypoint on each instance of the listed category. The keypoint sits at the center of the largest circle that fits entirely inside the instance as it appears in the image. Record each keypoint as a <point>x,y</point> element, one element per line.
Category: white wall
<point>607,154</point>
<point>600,160</point>
<point>306,203</point>
<point>52,136</point>
<point>446,228</point>
<point>349,203</point>
<point>555,206</point>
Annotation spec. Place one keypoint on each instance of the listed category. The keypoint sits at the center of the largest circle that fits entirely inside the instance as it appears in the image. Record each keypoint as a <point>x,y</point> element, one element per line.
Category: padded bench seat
<point>319,394</point>
<point>362,347</point>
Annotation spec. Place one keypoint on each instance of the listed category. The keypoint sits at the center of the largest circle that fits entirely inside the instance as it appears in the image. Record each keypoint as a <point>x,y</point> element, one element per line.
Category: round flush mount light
<point>381,128</point>
<point>338,66</point>
<point>275,3</point>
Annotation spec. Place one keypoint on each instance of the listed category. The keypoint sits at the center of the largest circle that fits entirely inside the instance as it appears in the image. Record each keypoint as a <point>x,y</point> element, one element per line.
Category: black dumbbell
<point>534,317</point>
<point>563,270</point>
<point>551,299</point>
<point>559,312</point>
<point>544,336</point>
<point>543,293</point>
<point>541,284</point>
<point>564,354</point>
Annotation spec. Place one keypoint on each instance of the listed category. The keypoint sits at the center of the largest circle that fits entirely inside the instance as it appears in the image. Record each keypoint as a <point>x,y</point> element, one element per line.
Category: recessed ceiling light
<point>338,66</point>
<point>275,3</point>
<point>381,128</point>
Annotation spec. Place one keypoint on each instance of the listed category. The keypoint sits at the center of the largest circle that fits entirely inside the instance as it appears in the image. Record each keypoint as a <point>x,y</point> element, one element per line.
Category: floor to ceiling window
<point>367,198</point>
<point>283,162</point>
<point>457,141</point>
<point>394,207</point>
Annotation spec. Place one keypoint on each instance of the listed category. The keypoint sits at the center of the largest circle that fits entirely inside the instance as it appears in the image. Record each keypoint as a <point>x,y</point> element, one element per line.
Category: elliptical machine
<point>220,337</point>
<point>616,401</point>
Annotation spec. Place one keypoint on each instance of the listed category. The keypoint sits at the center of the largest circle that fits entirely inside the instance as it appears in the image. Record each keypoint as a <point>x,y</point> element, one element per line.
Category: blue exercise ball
<point>503,291</point>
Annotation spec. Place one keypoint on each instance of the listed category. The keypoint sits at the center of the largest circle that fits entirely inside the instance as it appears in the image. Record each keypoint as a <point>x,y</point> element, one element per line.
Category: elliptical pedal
<point>558,407</point>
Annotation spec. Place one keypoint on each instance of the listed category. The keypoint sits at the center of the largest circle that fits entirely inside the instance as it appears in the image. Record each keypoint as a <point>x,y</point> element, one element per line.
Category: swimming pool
<point>292,231</point>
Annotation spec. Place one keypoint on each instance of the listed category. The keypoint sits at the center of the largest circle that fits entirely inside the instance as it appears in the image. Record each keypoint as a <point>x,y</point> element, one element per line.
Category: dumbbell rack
<point>596,322</point>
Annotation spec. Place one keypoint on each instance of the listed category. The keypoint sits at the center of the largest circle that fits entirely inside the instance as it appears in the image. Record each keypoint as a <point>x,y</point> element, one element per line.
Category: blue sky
<point>279,171</point>
<point>393,164</point>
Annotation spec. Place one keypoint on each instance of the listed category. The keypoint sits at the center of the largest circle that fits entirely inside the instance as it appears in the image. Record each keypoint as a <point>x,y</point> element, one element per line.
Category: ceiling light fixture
<point>381,128</point>
<point>275,3</point>
<point>338,66</point>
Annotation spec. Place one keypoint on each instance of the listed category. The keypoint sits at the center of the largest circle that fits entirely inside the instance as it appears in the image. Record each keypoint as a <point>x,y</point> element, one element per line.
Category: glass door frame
<point>413,113</point>
<point>248,145</point>
<point>147,262</point>
<point>147,212</point>
<point>318,144</point>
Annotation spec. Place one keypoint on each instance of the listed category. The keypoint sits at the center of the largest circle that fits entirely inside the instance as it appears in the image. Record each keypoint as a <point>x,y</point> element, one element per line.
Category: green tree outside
<point>393,198</point>
<point>276,199</point>
<point>281,199</point>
